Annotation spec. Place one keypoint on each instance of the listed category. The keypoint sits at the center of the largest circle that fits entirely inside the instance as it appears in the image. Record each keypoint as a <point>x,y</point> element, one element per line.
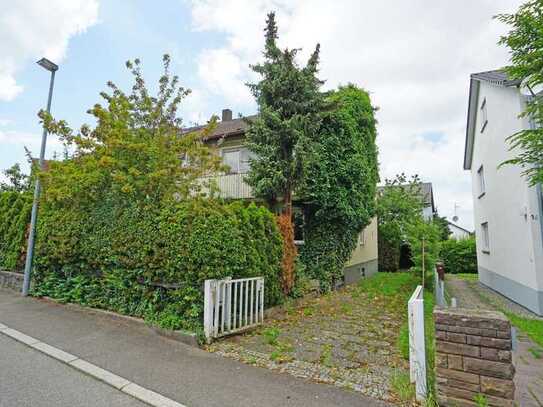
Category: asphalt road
<point>29,378</point>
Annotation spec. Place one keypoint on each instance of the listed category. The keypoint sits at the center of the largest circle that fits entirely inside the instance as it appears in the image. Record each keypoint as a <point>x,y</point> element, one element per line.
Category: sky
<point>414,57</point>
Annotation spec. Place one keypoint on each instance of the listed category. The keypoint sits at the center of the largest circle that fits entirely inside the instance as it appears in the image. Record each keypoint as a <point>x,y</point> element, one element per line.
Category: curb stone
<point>120,383</point>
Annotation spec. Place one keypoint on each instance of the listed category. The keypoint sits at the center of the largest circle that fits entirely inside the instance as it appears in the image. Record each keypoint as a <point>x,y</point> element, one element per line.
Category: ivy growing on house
<point>341,173</point>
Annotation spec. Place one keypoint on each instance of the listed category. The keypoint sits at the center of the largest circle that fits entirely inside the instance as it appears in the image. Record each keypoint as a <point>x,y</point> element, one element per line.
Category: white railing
<point>417,351</point>
<point>232,306</point>
<point>230,186</point>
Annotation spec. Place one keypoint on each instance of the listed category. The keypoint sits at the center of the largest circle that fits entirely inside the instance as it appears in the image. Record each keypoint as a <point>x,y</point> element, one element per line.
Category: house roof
<point>225,128</point>
<point>496,77</point>
<point>459,227</point>
<point>426,191</point>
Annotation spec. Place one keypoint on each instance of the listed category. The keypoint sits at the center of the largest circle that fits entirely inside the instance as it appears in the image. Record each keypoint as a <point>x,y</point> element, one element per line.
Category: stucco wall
<point>509,205</point>
<point>368,250</point>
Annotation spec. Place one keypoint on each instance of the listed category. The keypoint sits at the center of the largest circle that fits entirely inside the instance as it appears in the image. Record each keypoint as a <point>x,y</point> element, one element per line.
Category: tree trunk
<point>289,248</point>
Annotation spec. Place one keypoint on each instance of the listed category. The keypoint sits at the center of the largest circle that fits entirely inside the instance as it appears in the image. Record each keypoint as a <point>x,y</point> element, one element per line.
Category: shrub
<point>15,208</point>
<point>152,262</point>
<point>459,256</point>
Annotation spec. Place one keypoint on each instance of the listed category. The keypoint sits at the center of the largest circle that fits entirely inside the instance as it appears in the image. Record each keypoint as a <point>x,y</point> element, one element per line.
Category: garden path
<point>348,338</point>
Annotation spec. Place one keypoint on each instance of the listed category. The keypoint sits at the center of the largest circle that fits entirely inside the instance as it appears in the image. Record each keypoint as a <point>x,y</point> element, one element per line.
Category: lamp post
<point>51,67</point>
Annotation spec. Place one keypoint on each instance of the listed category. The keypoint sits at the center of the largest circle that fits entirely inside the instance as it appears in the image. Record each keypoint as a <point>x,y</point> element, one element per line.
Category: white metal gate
<point>232,305</point>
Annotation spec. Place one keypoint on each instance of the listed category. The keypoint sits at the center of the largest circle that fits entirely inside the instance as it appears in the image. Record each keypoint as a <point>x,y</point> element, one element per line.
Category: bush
<point>15,208</point>
<point>459,256</point>
<point>152,262</point>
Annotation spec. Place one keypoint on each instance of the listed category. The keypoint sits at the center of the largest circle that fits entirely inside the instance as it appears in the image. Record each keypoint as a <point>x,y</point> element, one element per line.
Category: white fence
<point>439,290</point>
<point>417,351</point>
<point>232,306</point>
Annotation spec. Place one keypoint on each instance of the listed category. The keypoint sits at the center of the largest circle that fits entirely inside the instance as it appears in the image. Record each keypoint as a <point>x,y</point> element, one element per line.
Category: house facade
<point>228,139</point>
<point>458,232</point>
<point>507,211</point>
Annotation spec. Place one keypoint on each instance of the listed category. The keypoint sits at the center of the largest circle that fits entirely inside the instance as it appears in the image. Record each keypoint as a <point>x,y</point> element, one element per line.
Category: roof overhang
<point>474,86</point>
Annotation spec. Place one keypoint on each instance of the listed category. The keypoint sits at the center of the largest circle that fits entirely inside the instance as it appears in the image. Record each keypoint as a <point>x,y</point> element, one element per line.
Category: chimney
<point>226,115</point>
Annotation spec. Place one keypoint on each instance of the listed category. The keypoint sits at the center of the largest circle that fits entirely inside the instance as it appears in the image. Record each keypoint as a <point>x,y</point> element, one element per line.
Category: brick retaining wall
<point>473,357</point>
<point>11,280</point>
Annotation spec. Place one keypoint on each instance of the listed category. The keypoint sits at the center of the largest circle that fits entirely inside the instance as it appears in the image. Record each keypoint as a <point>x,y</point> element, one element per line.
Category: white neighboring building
<point>507,212</point>
<point>458,232</point>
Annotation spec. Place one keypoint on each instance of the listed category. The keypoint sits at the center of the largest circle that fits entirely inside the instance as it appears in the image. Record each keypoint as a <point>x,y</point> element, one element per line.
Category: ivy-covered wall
<point>151,262</point>
<point>15,208</point>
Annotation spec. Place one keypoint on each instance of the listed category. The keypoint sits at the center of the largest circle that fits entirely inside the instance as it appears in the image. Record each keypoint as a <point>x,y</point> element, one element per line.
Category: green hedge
<point>459,256</point>
<point>152,262</point>
<point>15,208</point>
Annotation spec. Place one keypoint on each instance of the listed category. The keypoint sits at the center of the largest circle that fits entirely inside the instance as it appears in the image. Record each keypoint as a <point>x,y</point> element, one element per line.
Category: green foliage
<point>123,225</point>
<point>16,180</point>
<point>399,203</point>
<point>289,103</point>
<point>152,262</point>
<point>340,187</point>
<point>423,238</point>
<point>459,256</point>
<point>15,208</point>
<point>525,43</point>
<point>443,225</point>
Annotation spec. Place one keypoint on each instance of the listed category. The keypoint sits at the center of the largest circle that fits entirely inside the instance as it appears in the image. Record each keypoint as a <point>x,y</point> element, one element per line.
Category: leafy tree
<point>525,43</point>
<point>17,181</point>
<point>133,151</point>
<point>459,256</point>
<point>399,203</point>
<point>289,106</point>
<point>443,225</point>
<point>339,189</point>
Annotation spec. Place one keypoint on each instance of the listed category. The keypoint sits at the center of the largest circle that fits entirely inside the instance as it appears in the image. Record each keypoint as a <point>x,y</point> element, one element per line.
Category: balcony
<point>230,186</point>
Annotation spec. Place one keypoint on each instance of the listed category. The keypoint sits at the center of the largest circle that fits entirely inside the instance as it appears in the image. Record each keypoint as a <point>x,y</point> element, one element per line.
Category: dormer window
<point>483,115</point>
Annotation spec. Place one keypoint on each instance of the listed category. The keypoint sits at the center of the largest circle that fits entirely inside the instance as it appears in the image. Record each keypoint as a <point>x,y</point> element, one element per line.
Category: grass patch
<point>270,335</point>
<point>531,327</point>
<point>536,352</point>
<point>402,386</point>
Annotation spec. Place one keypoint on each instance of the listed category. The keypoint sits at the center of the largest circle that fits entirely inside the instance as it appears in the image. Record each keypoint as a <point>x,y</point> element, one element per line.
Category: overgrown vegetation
<point>15,208</point>
<point>398,204</point>
<point>525,44</point>
<point>124,226</point>
<point>340,189</point>
<point>459,256</point>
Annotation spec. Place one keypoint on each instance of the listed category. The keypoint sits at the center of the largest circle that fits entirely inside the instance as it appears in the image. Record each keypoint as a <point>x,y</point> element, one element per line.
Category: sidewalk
<point>188,375</point>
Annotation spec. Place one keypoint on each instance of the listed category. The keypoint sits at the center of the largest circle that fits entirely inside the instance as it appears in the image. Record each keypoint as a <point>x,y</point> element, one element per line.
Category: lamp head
<point>46,64</point>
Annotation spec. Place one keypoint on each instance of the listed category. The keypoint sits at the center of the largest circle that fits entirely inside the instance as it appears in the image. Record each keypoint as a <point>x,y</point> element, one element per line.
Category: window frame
<point>243,166</point>
<point>481,184</point>
<point>485,235</point>
<point>484,114</point>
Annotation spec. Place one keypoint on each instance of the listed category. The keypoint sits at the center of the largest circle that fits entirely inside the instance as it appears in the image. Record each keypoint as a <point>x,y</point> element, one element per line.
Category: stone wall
<point>11,280</point>
<point>473,357</point>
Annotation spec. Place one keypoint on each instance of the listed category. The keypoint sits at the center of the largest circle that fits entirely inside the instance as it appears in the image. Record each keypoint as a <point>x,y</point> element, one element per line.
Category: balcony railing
<point>231,186</point>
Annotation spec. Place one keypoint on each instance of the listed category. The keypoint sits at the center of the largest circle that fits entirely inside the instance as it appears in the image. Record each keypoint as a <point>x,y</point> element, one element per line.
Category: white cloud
<point>414,57</point>
<point>32,29</point>
<point>32,141</point>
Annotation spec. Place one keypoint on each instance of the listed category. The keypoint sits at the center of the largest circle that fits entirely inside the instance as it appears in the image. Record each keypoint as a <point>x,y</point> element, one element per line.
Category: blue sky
<point>413,57</point>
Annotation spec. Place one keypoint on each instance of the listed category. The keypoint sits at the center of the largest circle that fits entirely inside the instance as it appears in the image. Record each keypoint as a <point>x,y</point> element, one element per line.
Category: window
<point>481,179</point>
<point>483,115</point>
<point>238,159</point>
<point>362,238</point>
<point>485,237</point>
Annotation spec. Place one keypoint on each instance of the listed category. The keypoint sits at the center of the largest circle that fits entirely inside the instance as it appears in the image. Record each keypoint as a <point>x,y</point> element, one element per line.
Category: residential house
<point>507,211</point>
<point>229,140</point>
<point>458,232</point>
<point>427,196</point>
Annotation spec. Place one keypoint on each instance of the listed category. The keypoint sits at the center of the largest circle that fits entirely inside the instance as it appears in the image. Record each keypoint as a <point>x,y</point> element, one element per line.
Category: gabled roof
<point>459,227</point>
<point>225,128</point>
<point>497,77</point>
<point>426,191</point>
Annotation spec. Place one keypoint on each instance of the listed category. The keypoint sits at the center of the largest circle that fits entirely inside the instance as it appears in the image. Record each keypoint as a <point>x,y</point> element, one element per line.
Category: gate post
<point>209,288</point>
